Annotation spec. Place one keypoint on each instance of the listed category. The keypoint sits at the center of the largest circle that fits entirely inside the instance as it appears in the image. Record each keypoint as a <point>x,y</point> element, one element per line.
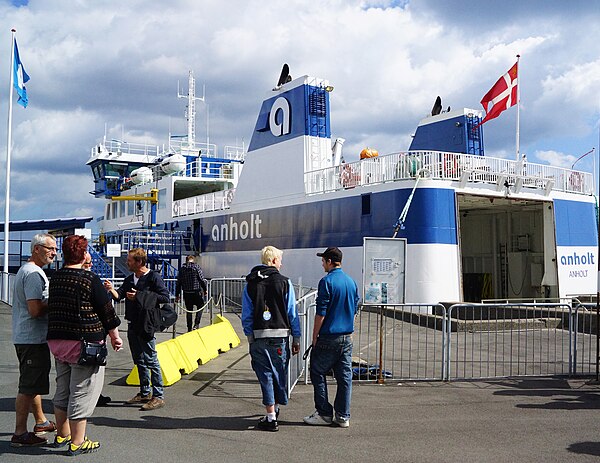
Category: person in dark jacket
<point>268,315</point>
<point>191,280</point>
<point>140,335</point>
<point>78,308</point>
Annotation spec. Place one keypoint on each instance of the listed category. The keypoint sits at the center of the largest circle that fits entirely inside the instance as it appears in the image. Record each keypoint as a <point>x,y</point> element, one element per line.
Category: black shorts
<point>34,368</point>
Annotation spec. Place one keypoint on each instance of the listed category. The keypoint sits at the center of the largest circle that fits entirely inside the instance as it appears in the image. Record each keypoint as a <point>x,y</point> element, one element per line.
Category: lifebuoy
<point>229,197</point>
<point>575,181</point>
<point>450,165</point>
<point>348,178</point>
<point>175,209</point>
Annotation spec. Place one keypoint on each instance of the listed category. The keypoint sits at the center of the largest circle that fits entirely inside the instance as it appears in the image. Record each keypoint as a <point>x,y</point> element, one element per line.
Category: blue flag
<point>20,77</point>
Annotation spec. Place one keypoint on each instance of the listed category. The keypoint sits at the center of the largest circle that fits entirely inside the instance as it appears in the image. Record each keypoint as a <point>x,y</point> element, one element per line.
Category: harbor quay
<point>210,415</point>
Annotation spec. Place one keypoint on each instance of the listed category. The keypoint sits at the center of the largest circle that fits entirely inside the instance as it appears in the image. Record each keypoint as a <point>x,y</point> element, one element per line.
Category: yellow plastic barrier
<point>193,349</point>
<point>186,351</point>
<point>168,366</point>
<point>220,336</point>
<point>184,364</point>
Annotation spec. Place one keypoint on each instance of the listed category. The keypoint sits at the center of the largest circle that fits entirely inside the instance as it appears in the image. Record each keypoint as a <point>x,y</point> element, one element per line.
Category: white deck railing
<point>217,201</point>
<point>437,165</point>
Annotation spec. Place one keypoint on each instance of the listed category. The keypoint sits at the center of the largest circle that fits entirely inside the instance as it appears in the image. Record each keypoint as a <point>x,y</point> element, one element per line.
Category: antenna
<point>191,110</point>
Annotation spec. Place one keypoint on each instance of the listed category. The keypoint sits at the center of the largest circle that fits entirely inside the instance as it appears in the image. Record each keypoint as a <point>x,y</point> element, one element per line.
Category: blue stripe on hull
<point>336,222</point>
<point>575,223</point>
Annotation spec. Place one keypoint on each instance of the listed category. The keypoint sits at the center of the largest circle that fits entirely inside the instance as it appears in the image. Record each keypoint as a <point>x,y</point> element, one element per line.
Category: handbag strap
<point>78,302</point>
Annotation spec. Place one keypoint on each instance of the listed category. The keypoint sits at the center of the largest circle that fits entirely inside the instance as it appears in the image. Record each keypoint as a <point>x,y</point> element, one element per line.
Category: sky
<point>97,64</point>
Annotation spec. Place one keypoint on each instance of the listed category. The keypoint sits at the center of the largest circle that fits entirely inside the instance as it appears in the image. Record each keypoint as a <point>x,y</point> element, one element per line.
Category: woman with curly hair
<point>79,308</point>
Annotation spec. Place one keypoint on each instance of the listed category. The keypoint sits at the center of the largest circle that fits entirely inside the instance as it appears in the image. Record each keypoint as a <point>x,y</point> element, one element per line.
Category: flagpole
<point>518,106</point>
<point>8,149</point>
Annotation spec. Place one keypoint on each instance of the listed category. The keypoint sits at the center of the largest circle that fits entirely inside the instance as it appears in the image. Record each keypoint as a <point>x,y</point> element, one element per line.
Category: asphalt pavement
<point>211,413</point>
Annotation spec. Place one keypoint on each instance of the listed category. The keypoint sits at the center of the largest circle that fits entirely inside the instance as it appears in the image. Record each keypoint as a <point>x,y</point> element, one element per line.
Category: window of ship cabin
<point>113,214</point>
<point>121,208</point>
<point>115,169</point>
<point>97,172</point>
<point>107,212</point>
<point>130,207</point>
<point>162,198</point>
<point>366,204</point>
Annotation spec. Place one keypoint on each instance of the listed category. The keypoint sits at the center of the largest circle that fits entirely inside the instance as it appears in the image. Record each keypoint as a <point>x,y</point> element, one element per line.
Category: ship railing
<point>160,242</point>
<point>216,170</point>
<point>463,168</point>
<point>117,147</point>
<point>217,201</point>
<point>210,150</point>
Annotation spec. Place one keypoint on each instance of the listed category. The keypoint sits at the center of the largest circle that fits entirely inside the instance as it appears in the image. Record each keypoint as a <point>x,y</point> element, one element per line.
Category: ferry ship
<point>476,227</point>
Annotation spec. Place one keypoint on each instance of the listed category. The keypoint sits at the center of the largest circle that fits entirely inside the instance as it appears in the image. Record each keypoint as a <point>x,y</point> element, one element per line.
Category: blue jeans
<point>270,363</point>
<point>144,356</point>
<point>332,352</point>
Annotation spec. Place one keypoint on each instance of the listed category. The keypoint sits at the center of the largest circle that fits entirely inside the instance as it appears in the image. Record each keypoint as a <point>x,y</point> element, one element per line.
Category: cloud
<point>555,158</point>
<point>117,64</point>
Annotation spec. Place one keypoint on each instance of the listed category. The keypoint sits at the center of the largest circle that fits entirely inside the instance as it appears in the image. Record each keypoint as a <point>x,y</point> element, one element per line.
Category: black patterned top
<point>79,307</point>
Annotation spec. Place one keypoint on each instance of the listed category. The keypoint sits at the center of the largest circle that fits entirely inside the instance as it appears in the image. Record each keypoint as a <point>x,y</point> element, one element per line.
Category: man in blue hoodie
<point>268,315</point>
<point>337,302</point>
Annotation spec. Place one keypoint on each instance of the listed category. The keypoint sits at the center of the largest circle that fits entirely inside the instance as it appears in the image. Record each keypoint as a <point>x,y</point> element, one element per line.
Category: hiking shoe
<point>341,422</point>
<point>265,425</point>
<point>28,439</point>
<point>60,441</point>
<point>43,428</point>
<point>87,446</point>
<point>317,420</point>
<point>153,404</point>
<point>103,400</point>
<point>140,399</point>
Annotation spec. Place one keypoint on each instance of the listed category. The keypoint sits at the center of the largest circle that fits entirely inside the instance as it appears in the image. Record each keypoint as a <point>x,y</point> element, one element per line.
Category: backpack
<point>168,317</point>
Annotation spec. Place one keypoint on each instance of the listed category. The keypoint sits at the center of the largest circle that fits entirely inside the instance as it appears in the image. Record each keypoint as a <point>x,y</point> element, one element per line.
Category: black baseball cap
<point>334,254</point>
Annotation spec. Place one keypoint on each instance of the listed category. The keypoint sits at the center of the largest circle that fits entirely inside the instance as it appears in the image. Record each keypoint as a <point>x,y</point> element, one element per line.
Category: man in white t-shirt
<point>29,330</point>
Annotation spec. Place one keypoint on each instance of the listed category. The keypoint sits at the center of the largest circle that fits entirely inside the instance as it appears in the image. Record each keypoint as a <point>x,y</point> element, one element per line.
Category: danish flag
<point>502,95</point>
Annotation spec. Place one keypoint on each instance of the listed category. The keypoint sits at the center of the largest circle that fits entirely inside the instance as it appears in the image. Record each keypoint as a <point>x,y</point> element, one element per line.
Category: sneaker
<point>87,446</point>
<point>265,425</point>
<point>317,420</point>
<point>103,400</point>
<point>60,441</point>
<point>140,399</point>
<point>153,404</point>
<point>196,326</point>
<point>28,439</point>
<point>43,428</point>
<point>341,422</point>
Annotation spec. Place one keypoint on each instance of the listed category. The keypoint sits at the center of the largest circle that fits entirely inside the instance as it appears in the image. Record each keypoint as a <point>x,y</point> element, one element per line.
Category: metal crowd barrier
<point>474,341</point>
<point>8,298</point>
<point>411,348</point>
<point>490,341</point>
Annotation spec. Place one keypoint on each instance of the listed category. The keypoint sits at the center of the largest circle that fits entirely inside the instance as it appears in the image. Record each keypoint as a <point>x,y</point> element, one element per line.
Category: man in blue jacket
<point>268,315</point>
<point>337,302</point>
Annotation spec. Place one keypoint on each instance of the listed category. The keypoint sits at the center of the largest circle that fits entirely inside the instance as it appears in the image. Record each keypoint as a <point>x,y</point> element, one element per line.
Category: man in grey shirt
<point>29,330</point>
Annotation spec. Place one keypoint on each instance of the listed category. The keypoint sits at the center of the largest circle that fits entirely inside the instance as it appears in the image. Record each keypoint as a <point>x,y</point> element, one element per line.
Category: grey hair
<point>40,239</point>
